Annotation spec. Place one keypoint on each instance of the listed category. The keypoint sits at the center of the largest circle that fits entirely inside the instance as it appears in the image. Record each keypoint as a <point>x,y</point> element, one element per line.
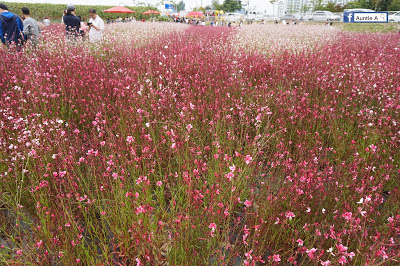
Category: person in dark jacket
<point>72,22</point>
<point>11,27</point>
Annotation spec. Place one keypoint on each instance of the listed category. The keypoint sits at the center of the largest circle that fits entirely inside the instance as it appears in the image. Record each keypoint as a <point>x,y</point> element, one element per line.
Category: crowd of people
<point>22,29</point>
<point>119,19</point>
<point>19,30</point>
<point>13,29</point>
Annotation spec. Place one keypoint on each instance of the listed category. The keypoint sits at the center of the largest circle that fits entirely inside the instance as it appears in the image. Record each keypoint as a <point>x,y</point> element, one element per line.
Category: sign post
<point>366,17</point>
<point>169,6</point>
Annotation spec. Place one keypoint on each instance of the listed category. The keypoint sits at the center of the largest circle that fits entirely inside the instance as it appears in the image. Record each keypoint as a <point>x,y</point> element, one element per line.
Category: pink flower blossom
<point>347,216</point>
<point>341,248</point>
<point>300,242</point>
<point>342,260</point>
<point>248,203</point>
<point>276,258</point>
<point>248,159</point>
<point>290,215</point>
<point>311,252</point>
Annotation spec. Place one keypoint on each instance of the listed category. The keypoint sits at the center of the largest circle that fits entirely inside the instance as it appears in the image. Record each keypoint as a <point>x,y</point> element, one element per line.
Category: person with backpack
<point>11,27</point>
<point>31,27</point>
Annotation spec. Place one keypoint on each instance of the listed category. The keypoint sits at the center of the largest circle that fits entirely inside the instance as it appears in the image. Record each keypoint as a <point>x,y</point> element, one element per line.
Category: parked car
<point>290,17</point>
<point>272,18</point>
<point>324,16</point>
<point>233,17</point>
<point>307,17</point>
<point>254,16</point>
<point>395,17</point>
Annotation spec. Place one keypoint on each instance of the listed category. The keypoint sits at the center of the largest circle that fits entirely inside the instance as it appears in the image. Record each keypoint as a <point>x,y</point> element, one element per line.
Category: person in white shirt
<point>46,22</point>
<point>96,26</point>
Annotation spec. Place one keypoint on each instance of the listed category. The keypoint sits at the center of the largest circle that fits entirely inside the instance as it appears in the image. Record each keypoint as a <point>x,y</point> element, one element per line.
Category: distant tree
<point>384,5</point>
<point>232,5</point>
<point>395,5</point>
<point>338,8</point>
<point>359,4</point>
<point>329,7</point>
<point>317,4</point>
<point>375,4</point>
<point>217,5</point>
<point>180,6</point>
<point>304,9</point>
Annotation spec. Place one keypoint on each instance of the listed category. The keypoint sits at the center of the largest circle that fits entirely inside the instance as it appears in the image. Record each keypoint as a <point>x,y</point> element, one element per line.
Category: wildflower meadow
<point>169,144</point>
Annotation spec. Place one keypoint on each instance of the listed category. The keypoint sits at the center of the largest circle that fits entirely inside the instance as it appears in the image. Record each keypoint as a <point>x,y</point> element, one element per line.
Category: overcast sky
<point>260,5</point>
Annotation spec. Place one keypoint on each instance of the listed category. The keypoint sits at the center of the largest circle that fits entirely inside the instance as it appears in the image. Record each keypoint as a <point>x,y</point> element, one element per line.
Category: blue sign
<point>366,17</point>
<point>169,6</point>
<point>348,17</point>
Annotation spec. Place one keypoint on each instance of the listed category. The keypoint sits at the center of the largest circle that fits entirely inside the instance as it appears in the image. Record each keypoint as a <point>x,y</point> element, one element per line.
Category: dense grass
<point>369,27</point>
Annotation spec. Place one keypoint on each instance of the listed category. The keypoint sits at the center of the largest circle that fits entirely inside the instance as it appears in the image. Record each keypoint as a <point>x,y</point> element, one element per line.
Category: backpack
<point>11,31</point>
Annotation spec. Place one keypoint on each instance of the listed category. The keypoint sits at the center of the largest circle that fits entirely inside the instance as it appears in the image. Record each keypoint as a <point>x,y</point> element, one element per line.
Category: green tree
<point>329,7</point>
<point>359,4</point>
<point>384,5</point>
<point>180,6</point>
<point>317,4</point>
<point>395,5</point>
<point>217,5</point>
<point>201,8</point>
<point>304,9</point>
<point>232,5</point>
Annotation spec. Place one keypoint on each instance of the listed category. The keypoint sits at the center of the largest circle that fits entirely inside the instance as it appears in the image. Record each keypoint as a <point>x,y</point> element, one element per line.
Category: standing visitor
<point>10,27</point>
<point>62,17</point>
<point>72,22</point>
<point>46,21</point>
<point>31,27</point>
<point>96,25</point>
<point>82,29</point>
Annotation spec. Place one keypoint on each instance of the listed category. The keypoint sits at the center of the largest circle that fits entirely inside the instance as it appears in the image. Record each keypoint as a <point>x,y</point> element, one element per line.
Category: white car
<point>254,16</point>
<point>395,17</point>
<point>272,18</point>
<point>324,16</point>
<point>232,17</point>
<point>290,17</point>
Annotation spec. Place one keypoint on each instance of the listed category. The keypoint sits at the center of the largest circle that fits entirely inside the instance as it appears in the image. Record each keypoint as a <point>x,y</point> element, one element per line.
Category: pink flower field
<point>182,145</point>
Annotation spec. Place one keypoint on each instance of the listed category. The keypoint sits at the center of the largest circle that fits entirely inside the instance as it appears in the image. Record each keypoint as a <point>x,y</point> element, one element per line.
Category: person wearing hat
<point>72,22</point>
<point>11,27</point>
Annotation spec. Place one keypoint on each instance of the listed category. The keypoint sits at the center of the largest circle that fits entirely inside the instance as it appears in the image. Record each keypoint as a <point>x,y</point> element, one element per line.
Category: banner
<point>365,17</point>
